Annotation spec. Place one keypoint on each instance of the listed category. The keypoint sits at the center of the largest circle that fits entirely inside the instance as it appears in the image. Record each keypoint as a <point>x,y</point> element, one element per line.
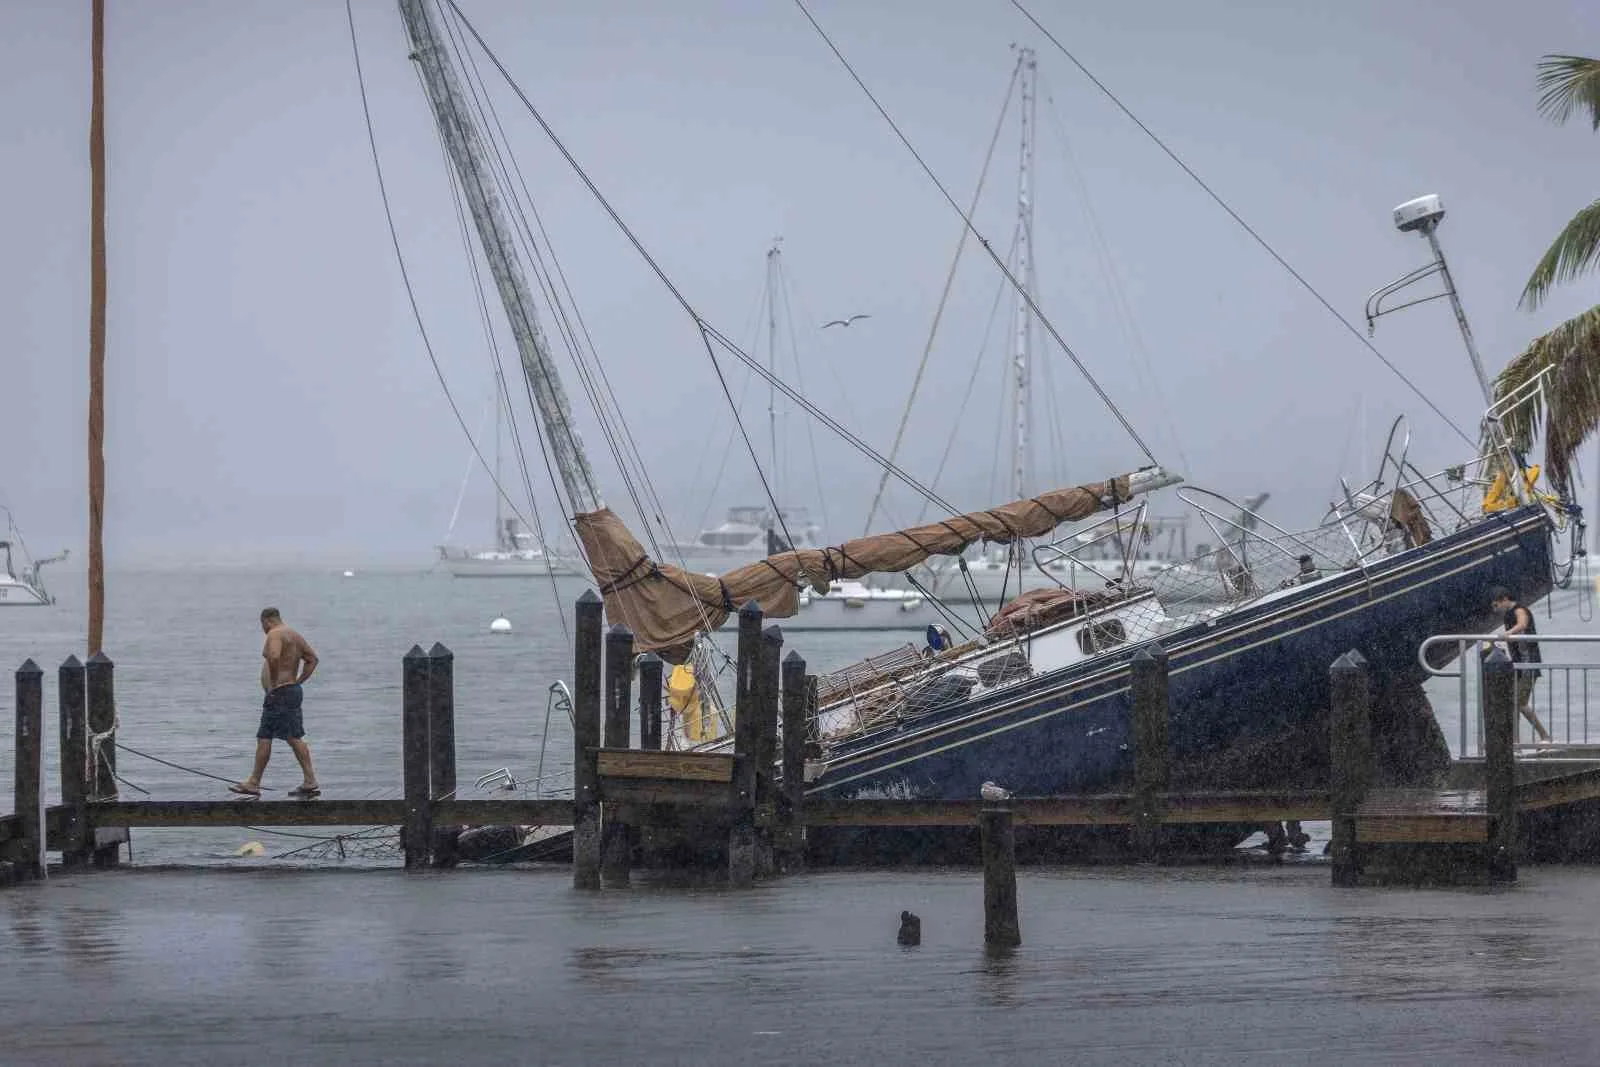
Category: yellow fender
<point>683,696</point>
<point>1500,498</point>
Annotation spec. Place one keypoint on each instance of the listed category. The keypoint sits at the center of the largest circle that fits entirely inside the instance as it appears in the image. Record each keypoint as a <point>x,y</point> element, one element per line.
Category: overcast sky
<point>268,392</point>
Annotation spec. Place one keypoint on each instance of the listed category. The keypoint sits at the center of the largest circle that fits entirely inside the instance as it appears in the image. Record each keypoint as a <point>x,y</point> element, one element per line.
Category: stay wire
<point>1021,289</point>
<point>177,767</point>
<point>708,331</point>
<point>1260,240</point>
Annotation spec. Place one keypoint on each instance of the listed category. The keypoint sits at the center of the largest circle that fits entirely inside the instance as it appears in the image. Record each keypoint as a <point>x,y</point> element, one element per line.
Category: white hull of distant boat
<point>25,590</point>
<point>514,565</point>
<point>14,593</point>
<point>853,606</point>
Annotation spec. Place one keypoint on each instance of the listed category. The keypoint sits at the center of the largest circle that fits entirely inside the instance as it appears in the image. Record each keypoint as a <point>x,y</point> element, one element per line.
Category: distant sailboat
<point>21,584</point>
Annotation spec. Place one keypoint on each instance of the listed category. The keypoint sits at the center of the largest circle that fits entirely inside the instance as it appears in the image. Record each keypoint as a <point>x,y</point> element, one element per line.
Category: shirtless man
<point>288,660</point>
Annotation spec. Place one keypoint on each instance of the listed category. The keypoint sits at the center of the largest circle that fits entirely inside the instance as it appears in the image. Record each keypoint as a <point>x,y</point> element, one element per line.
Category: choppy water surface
<point>259,960</point>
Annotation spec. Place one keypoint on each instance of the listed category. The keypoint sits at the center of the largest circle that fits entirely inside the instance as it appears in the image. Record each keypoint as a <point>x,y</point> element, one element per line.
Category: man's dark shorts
<point>280,714</point>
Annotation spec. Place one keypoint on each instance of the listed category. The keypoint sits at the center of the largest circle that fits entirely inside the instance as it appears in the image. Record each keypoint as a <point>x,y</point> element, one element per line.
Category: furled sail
<point>665,605</point>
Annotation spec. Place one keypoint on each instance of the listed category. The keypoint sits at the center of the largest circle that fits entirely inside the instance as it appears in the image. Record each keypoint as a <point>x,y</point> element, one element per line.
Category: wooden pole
<point>1000,926</point>
<point>1349,761</point>
<point>616,843</point>
<point>442,747</point>
<point>1150,748</point>
<point>742,836</point>
<point>101,698</point>
<point>77,777</point>
<point>585,739</point>
<point>417,832</point>
<point>650,668</point>
<point>766,748</point>
<point>791,799</point>
<point>28,853</point>
<point>97,326</point>
<point>1499,765</point>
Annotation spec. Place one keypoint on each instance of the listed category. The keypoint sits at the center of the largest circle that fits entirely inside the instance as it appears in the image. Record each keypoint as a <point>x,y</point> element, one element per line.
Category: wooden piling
<point>27,853</point>
<point>650,668</point>
<point>1000,926</point>
<point>616,843</point>
<point>1349,761</point>
<point>746,729</point>
<point>442,748</point>
<point>1499,765</point>
<point>101,702</point>
<point>766,748</point>
<point>789,840</point>
<point>1151,775</point>
<point>586,670</point>
<point>416,833</point>
<point>77,776</point>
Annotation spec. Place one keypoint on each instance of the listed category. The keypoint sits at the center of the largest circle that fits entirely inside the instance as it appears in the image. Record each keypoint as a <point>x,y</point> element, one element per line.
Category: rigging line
<point>811,436</point>
<point>1262,241</point>
<point>1147,375</point>
<point>466,475</point>
<point>944,295</point>
<point>1022,290</point>
<point>705,327</point>
<point>598,394</point>
<point>400,261</point>
<point>179,767</point>
<point>722,455</point>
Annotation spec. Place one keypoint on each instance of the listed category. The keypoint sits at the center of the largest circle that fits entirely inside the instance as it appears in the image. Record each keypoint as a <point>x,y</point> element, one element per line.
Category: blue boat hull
<point>1249,691</point>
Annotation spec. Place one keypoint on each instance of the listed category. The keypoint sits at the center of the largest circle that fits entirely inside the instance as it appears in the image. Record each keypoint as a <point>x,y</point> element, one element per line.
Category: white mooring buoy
<point>349,574</point>
<point>502,625</point>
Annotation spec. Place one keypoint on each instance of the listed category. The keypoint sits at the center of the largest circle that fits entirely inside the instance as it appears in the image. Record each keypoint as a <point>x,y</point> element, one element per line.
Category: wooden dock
<point>633,805</point>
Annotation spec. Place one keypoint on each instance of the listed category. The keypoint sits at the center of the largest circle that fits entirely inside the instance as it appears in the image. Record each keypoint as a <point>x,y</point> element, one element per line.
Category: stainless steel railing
<point>1560,696</point>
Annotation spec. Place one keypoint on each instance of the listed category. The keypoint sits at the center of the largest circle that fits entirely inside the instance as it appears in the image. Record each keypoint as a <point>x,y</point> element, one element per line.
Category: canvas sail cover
<point>665,605</point>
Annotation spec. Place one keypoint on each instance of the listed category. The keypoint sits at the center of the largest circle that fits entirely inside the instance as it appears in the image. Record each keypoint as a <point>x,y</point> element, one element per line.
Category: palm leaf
<point>1575,250</point>
<point>1570,408</point>
<point>1567,84</point>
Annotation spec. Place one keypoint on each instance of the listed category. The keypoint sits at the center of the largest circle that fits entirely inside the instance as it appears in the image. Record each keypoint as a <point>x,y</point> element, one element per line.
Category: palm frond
<point>1567,84</point>
<point>1571,408</point>
<point>1575,250</point>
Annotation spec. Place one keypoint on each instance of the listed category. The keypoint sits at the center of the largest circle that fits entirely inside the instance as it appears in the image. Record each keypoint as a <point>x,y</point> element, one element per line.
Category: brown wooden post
<point>416,834</point>
<point>586,669</point>
<point>28,853</point>
<point>1499,765</point>
<point>650,668</point>
<point>442,747</point>
<point>1349,761</point>
<point>616,842</point>
<point>1000,926</point>
<point>101,700</point>
<point>746,730</point>
<point>791,798</point>
<point>1150,748</point>
<point>77,777</point>
<point>766,746</point>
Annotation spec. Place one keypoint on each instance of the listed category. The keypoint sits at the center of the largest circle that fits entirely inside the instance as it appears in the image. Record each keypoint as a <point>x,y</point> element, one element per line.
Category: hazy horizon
<point>269,400</point>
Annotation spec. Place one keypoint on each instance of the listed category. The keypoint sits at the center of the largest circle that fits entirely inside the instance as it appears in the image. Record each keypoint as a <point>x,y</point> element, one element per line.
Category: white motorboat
<point>24,589</point>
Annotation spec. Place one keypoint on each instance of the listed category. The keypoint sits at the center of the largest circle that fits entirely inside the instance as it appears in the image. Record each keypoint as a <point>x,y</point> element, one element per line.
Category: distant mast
<point>775,520</point>
<point>97,328</point>
<point>465,145</point>
<point>1021,358</point>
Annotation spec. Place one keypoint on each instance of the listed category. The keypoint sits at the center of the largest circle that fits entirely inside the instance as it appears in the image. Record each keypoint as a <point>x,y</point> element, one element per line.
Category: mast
<point>465,146</point>
<point>500,396</point>
<point>1023,329</point>
<point>772,365</point>
<point>97,329</point>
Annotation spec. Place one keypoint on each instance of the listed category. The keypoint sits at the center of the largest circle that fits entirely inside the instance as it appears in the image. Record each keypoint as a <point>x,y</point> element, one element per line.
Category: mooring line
<point>179,767</point>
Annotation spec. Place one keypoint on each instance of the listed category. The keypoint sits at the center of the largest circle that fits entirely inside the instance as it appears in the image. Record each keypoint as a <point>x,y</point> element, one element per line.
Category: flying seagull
<point>845,322</point>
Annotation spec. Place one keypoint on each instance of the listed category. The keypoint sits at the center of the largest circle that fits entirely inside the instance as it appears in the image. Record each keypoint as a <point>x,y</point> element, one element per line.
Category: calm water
<point>262,959</point>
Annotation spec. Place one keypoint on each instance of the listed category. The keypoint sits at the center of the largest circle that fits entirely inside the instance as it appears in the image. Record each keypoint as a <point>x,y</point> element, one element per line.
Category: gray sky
<point>268,393</point>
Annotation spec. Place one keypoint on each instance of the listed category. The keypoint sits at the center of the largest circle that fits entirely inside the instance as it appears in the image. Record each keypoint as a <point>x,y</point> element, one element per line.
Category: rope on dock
<point>169,763</point>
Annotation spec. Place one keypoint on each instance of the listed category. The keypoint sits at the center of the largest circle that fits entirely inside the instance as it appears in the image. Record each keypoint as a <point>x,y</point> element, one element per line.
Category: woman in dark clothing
<point>1517,619</point>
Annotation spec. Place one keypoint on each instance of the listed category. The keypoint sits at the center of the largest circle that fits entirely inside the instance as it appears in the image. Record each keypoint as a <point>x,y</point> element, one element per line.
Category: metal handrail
<point>1464,643</point>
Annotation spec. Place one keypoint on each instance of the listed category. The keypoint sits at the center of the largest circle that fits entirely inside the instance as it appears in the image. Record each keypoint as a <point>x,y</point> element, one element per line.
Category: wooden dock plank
<point>504,812</point>
<point>323,812</point>
<point>680,766</point>
<point>691,794</point>
<point>1565,789</point>
<point>1422,829</point>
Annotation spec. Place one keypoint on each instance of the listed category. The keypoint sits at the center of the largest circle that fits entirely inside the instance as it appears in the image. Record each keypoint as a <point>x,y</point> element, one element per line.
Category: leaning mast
<point>1023,327</point>
<point>465,147</point>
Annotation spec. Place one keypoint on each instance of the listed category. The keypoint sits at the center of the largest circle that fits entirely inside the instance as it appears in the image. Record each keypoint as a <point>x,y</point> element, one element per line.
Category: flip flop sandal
<point>300,792</point>
<point>243,790</point>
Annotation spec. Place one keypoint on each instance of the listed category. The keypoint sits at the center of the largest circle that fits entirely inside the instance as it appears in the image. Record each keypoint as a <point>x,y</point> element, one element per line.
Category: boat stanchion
<point>1349,761</point>
<point>1151,773</point>
<point>742,834</point>
<point>616,842</point>
<point>442,747</point>
<point>1499,766</point>
<point>416,833</point>
<point>586,672</point>
<point>999,843</point>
